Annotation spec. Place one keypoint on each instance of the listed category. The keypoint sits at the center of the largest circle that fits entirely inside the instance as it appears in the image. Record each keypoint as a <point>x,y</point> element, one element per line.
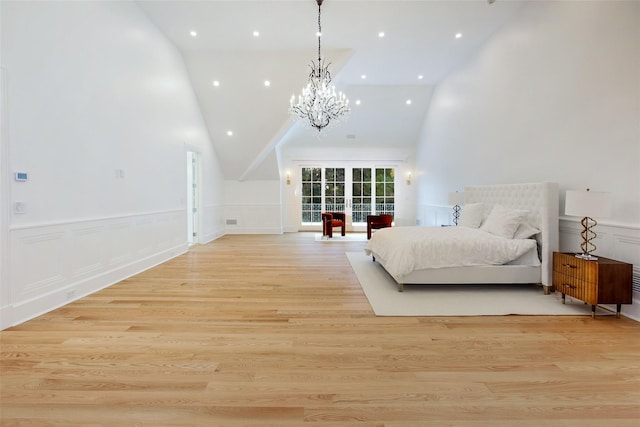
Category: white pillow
<point>471,215</point>
<point>525,231</point>
<point>503,221</point>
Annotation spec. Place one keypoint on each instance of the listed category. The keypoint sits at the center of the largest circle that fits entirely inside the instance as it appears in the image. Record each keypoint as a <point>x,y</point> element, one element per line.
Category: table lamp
<point>587,204</point>
<point>456,199</point>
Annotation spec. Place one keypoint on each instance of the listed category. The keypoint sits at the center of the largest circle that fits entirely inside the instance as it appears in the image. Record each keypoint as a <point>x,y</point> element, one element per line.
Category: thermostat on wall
<point>21,176</point>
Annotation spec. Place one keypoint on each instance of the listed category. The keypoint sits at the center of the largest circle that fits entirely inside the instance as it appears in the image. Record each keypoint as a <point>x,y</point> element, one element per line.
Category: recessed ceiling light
<point>256,34</point>
<point>381,34</point>
<point>420,77</point>
<point>364,76</point>
<point>357,102</point>
<point>216,83</point>
<point>408,102</point>
<point>458,35</point>
<point>267,83</point>
<point>229,133</point>
<point>193,33</point>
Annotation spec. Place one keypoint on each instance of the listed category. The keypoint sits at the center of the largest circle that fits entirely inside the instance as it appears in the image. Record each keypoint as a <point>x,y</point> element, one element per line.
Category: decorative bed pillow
<point>503,221</point>
<point>471,215</point>
<point>525,231</point>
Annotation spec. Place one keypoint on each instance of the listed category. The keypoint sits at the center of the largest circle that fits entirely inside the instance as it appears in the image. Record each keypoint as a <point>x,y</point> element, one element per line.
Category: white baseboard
<point>210,237</point>
<point>253,230</point>
<point>15,314</point>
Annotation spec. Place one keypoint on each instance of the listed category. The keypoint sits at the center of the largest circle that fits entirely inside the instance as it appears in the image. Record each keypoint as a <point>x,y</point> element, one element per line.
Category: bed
<point>408,254</point>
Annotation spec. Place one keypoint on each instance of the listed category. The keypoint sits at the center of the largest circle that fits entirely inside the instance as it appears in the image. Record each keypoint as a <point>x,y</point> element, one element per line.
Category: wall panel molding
<point>213,228</point>
<point>264,218</point>
<point>52,265</point>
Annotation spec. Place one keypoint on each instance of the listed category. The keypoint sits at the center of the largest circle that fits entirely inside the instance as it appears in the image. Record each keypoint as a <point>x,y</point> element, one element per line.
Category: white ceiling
<point>419,40</point>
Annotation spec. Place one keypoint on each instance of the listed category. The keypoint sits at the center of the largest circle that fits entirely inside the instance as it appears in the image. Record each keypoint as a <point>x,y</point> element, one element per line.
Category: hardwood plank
<point>276,331</point>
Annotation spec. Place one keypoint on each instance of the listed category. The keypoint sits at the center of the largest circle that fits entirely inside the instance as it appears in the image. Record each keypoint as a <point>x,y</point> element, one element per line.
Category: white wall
<point>252,207</point>
<point>554,96</point>
<point>100,114</point>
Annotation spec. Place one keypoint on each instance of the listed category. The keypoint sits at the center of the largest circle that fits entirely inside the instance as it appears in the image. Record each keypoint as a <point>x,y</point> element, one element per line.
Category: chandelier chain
<point>319,30</point>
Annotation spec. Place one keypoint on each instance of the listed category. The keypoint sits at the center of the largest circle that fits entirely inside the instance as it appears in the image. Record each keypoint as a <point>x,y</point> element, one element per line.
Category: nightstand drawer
<point>575,267</point>
<point>573,286</point>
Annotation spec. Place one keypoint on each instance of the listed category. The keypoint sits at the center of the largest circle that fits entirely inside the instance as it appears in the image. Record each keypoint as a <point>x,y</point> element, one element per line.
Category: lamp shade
<point>587,204</point>
<point>456,198</point>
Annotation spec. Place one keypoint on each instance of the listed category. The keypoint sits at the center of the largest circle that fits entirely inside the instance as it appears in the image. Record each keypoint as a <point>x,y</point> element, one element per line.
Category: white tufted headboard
<point>540,199</point>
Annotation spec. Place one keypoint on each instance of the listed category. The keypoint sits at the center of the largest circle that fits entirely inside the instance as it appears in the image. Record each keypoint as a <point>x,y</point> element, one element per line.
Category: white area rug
<point>457,300</point>
<point>350,237</point>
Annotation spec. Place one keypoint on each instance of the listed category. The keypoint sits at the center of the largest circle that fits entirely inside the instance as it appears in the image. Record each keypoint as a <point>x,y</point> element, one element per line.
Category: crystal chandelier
<point>319,104</point>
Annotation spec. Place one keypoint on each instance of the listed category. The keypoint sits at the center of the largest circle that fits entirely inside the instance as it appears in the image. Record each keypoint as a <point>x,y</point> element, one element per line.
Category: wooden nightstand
<point>602,281</point>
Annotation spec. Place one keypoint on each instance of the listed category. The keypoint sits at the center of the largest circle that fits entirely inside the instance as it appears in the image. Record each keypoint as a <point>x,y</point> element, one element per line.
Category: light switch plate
<point>19,207</point>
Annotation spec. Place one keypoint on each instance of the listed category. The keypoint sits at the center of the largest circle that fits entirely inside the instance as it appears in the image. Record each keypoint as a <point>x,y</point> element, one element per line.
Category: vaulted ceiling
<point>419,48</point>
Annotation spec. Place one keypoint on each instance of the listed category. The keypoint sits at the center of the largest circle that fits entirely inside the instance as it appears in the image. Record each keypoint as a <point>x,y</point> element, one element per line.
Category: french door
<point>357,191</point>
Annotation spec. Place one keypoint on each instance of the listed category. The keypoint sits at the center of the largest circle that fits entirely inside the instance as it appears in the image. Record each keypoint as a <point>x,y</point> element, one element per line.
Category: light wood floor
<point>275,331</point>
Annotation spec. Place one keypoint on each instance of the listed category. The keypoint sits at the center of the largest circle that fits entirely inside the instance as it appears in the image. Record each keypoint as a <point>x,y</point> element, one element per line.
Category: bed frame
<point>541,200</point>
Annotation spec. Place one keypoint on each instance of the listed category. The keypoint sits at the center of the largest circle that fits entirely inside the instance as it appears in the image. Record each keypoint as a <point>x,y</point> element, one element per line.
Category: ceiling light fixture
<point>318,103</point>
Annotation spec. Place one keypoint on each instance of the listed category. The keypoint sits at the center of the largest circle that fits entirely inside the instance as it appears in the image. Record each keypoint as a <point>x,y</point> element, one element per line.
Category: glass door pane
<point>311,194</point>
<point>334,196</point>
<point>385,191</point>
<point>361,194</point>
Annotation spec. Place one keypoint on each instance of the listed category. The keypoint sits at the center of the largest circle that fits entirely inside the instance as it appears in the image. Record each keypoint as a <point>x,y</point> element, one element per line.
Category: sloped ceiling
<point>419,40</point>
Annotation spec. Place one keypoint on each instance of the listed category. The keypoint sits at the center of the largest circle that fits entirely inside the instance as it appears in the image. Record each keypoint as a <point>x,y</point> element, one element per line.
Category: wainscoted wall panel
<point>291,217</point>
<point>626,244</point>
<point>253,219</point>
<point>143,232</point>
<point>117,240</point>
<point>88,250</point>
<point>214,227</point>
<point>54,264</point>
<point>172,227</point>
<point>613,241</point>
<point>38,260</point>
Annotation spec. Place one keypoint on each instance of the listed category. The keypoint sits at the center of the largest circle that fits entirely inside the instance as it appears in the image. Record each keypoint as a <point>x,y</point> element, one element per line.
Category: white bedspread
<point>405,249</point>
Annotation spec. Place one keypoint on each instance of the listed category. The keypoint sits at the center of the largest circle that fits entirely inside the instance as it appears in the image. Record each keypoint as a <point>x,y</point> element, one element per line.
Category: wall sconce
<point>587,204</point>
<point>288,178</point>
<point>409,178</point>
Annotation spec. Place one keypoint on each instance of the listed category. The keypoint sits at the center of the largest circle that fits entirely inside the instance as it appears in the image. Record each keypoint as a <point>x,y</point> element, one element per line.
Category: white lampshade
<point>456,198</point>
<point>587,204</point>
